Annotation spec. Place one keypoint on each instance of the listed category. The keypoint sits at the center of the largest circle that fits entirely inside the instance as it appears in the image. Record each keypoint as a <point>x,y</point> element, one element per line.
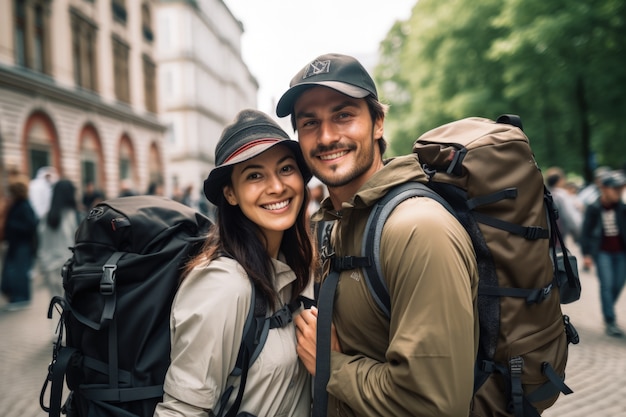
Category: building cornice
<point>30,82</point>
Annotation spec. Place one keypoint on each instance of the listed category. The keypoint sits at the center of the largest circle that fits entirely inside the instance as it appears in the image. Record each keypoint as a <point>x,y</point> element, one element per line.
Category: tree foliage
<point>560,65</point>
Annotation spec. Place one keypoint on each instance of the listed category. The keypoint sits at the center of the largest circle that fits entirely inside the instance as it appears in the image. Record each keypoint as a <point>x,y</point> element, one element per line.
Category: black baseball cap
<point>339,72</point>
<point>252,133</point>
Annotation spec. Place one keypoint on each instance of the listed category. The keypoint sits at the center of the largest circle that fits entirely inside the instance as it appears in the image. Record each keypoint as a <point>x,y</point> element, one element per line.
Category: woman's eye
<point>253,176</point>
<point>288,168</point>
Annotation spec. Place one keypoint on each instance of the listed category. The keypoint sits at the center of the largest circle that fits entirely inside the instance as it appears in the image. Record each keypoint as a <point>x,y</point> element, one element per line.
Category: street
<point>596,369</point>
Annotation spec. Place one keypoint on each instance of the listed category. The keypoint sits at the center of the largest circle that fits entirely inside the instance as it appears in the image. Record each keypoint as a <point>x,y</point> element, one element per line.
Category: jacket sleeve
<point>589,236</point>
<point>430,268</point>
<point>206,323</point>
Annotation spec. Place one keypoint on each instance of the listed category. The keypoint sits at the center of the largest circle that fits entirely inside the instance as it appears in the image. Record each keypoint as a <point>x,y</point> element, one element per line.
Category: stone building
<point>118,91</point>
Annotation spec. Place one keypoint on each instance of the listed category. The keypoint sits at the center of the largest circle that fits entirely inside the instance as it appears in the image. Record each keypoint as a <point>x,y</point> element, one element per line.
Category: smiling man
<point>420,360</point>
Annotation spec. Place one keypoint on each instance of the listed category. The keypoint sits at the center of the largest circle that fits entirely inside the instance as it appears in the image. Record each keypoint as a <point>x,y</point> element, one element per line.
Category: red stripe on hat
<point>251,145</point>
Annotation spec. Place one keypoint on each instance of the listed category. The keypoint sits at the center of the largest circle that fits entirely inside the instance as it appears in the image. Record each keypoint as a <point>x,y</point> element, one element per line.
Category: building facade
<point>78,91</point>
<point>203,83</point>
<point>119,92</point>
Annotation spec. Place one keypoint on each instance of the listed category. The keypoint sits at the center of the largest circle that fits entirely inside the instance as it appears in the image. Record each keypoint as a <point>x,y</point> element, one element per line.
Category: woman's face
<point>269,189</point>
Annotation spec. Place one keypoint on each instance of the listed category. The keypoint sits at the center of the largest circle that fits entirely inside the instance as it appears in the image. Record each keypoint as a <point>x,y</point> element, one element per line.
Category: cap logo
<point>317,67</point>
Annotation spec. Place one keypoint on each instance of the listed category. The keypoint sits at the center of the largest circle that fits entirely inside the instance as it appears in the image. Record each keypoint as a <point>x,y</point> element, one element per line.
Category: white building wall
<point>203,83</point>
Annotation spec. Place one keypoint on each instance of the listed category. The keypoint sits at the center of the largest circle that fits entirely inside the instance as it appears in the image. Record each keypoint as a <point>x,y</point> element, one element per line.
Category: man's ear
<point>229,195</point>
<point>379,127</point>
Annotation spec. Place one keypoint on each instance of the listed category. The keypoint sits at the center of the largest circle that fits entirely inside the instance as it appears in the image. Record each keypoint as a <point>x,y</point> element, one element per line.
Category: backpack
<point>485,174</point>
<point>119,286</point>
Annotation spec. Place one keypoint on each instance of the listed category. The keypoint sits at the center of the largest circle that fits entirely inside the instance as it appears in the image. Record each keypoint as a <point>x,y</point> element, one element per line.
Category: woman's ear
<point>229,195</point>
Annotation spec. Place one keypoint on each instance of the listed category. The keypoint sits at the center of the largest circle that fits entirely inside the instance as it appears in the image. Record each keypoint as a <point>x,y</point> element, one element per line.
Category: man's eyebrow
<point>338,107</point>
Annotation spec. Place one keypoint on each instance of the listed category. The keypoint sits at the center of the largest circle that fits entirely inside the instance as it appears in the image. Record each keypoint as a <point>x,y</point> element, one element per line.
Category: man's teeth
<point>333,155</point>
<point>276,206</point>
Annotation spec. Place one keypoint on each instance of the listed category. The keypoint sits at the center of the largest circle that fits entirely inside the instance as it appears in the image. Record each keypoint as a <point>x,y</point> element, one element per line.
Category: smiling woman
<point>261,237</point>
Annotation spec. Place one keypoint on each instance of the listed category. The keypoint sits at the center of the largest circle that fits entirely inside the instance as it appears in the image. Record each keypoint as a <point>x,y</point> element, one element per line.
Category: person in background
<point>20,233</point>
<point>91,196</point>
<point>155,188</point>
<point>570,217</point>
<point>261,235</point>
<point>317,190</point>
<point>126,188</point>
<point>603,242</point>
<point>40,190</point>
<point>56,235</point>
<point>591,191</point>
<point>421,360</point>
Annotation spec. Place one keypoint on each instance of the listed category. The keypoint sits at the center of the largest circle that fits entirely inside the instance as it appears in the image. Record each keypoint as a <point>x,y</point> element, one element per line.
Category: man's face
<point>337,136</point>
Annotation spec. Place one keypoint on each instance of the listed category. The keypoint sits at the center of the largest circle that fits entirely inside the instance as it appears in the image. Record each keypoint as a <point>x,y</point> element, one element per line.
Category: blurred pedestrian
<point>591,191</point>
<point>603,242</point>
<point>317,191</point>
<point>20,233</point>
<point>126,188</point>
<point>155,188</point>
<point>40,189</point>
<point>56,235</point>
<point>570,217</point>
<point>91,196</point>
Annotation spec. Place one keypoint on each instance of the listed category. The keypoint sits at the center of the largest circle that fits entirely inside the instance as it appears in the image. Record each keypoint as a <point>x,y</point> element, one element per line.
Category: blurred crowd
<point>594,217</point>
<point>38,220</point>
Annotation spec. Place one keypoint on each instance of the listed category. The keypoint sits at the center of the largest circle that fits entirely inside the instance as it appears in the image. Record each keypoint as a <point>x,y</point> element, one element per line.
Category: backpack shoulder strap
<point>255,332</point>
<point>373,232</point>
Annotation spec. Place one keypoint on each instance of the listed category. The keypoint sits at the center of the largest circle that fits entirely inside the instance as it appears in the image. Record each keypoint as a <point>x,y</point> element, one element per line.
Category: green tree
<point>558,64</point>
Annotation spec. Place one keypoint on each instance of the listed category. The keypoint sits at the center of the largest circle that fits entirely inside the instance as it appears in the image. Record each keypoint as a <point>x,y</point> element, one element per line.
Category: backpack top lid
<point>151,218</point>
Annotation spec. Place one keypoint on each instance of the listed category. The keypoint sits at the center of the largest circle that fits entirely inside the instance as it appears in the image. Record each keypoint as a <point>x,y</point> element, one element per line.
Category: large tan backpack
<point>485,173</point>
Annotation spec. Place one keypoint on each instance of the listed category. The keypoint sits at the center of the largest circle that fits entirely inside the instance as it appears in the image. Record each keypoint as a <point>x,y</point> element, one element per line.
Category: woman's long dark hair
<point>240,238</point>
<point>63,197</point>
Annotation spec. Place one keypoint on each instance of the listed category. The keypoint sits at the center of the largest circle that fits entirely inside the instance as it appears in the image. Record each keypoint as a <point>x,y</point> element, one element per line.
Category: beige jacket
<point>421,362</point>
<point>206,323</point>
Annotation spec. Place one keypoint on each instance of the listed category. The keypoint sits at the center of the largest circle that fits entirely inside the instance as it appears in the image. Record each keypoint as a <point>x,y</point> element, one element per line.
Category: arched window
<point>40,143</point>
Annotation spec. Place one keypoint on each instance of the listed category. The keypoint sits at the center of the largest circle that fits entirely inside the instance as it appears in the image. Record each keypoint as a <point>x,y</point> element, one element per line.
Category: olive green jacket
<point>421,362</point>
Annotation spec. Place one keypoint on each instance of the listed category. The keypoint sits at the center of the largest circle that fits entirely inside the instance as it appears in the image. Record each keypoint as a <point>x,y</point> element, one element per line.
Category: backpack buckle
<point>281,318</point>
<point>107,282</point>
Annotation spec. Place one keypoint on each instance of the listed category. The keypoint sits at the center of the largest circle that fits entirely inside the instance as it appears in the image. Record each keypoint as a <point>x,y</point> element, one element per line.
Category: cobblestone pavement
<point>596,369</point>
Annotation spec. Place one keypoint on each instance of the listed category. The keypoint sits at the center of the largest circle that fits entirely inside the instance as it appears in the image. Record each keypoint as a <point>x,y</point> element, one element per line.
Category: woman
<point>56,235</point>
<point>261,235</point>
<point>20,232</point>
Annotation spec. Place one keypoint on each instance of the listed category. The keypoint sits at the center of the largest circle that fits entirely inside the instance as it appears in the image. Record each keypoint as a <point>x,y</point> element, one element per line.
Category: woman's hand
<point>306,334</point>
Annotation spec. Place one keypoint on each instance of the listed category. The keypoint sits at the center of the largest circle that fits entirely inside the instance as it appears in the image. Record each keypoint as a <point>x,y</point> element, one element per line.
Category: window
<point>146,23</point>
<point>118,7</point>
<point>31,33</point>
<point>126,159</point>
<point>20,33</point>
<point>39,40</point>
<point>120,70</point>
<point>149,80</point>
<point>91,160</point>
<point>84,33</point>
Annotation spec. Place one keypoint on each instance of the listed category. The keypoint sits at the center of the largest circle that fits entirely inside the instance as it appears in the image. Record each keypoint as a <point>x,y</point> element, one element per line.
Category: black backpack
<point>483,172</point>
<point>119,287</point>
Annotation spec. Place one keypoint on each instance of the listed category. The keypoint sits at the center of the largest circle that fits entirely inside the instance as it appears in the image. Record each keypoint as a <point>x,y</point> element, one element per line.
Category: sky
<point>282,36</point>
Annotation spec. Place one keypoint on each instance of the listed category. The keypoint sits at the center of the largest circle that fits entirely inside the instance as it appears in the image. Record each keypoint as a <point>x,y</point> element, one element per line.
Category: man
<point>420,362</point>
<point>603,242</point>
